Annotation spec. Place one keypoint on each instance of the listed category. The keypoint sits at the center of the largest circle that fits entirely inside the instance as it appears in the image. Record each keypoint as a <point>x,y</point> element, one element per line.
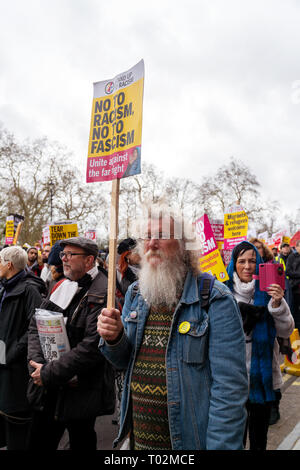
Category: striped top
<point>148,384</point>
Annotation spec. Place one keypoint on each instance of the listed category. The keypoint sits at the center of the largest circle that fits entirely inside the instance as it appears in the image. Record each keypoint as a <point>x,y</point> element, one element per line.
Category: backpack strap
<point>205,287</point>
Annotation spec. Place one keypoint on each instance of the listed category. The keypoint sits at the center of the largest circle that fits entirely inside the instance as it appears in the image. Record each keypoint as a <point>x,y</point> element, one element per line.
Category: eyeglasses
<point>68,254</point>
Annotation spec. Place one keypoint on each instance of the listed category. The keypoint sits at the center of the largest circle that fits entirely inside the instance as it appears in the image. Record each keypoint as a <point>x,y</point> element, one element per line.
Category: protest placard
<point>116,127</point>
<point>263,236</point>
<point>9,230</point>
<point>210,260</point>
<point>227,257</point>
<point>62,232</point>
<point>114,149</point>
<point>91,234</point>
<point>46,235</point>
<point>217,226</point>
<point>295,238</point>
<point>277,238</point>
<point>12,228</point>
<point>235,228</point>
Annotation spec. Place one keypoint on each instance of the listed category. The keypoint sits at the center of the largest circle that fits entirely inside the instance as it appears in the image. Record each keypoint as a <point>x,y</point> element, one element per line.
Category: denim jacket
<point>205,368</point>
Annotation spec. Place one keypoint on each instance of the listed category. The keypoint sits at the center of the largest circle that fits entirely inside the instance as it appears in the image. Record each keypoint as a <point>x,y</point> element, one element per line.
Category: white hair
<point>184,231</point>
<point>16,255</point>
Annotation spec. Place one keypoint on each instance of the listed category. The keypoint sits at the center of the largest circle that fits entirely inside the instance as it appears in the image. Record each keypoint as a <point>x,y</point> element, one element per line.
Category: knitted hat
<point>126,245</point>
<point>53,258</point>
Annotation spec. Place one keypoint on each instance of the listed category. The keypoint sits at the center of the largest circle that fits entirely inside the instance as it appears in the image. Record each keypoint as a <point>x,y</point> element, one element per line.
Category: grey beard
<point>163,284</point>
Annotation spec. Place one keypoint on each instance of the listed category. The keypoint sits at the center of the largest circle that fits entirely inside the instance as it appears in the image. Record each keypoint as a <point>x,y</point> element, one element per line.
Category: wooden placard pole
<point>113,236</point>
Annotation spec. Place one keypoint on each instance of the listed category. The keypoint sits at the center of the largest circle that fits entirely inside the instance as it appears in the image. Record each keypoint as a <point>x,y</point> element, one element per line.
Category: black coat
<point>293,270</point>
<point>128,278</point>
<point>17,309</point>
<point>93,392</point>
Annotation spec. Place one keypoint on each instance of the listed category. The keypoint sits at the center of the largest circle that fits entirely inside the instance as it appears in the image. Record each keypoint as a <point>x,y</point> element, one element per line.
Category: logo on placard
<point>109,88</point>
<point>222,275</point>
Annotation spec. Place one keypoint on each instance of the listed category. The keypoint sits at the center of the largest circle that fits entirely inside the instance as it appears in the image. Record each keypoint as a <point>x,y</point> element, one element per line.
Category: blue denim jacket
<point>205,368</point>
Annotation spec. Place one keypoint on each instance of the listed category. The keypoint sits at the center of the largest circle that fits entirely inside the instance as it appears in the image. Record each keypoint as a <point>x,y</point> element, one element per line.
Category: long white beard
<point>162,284</point>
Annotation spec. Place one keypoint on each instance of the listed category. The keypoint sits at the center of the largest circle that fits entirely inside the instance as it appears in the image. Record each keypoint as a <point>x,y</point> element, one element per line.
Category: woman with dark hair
<point>284,343</point>
<point>265,316</point>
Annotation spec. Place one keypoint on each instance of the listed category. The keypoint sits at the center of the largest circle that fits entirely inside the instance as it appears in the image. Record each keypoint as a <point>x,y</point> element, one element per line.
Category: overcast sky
<point>222,79</point>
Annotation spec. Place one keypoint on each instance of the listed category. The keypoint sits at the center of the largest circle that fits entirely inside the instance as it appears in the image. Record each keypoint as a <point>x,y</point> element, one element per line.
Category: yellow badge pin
<point>184,327</point>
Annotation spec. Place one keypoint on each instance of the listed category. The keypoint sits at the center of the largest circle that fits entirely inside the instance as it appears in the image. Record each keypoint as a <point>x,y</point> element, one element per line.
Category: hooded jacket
<point>293,270</point>
<point>283,320</point>
<point>19,297</point>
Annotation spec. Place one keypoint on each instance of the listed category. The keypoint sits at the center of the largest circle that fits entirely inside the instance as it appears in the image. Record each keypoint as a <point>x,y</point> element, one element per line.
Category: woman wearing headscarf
<point>284,343</point>
<point>265,316</point>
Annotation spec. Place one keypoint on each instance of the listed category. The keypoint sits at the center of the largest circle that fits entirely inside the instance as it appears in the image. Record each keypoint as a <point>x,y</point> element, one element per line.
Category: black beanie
<point>126,245</point>
<point>53,258</point>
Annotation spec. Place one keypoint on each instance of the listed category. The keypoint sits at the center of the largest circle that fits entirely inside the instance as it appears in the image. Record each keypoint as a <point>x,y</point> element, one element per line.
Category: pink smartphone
<point>270,273</point>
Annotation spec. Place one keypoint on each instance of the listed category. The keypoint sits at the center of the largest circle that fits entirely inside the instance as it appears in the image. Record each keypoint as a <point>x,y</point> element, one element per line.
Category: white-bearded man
<point>185,383</point>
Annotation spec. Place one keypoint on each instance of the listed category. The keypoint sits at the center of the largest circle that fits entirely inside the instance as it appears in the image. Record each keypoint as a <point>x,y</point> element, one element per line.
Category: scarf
<point>263,337</point>
<point>64,294</point>
<point>243,291</point>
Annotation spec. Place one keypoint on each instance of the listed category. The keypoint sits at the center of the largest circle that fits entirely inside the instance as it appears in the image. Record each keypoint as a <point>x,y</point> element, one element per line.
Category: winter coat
<point>128,278</point>
<point>92,394</point>
<point>293,270</point>
<point>18,305</point>
<point>284,325</point>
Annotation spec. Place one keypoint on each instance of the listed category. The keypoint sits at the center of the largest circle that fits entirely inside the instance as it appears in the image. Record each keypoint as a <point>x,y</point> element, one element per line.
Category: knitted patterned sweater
<point>148,384</point>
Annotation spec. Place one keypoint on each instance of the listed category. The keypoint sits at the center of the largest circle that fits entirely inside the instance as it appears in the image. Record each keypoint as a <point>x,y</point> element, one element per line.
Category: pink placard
<point>206,235</point>
<point>230,243</point>
<point>218,231</point>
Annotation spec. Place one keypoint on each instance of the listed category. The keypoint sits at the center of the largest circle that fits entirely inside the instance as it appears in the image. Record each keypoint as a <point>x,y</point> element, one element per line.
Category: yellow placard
<point>116,123</point>
<point>286,240</point>
<point>9,229</point>
<point>62,232</point>
<point>114,149</point>
<point>213,264</point>
<point>235,225</point>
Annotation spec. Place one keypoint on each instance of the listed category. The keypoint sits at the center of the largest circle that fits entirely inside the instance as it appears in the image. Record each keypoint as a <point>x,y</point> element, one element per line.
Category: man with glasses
<point>69,393</point>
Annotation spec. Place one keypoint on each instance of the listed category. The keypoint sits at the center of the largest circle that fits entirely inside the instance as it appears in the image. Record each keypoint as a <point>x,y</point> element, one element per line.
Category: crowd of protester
<point>188,362</point>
